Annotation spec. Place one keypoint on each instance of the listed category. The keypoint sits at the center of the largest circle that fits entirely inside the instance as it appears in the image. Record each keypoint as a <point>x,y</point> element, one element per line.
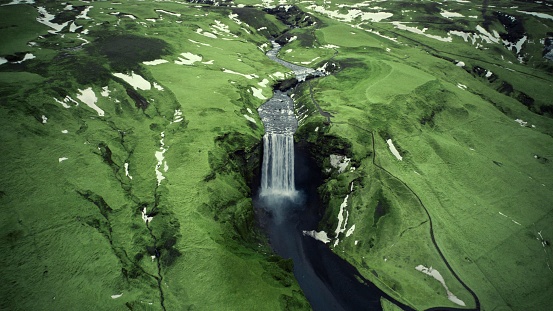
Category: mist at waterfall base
<point>327,281</point>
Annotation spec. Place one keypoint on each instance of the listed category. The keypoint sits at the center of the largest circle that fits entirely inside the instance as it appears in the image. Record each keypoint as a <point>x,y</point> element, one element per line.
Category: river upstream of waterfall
<point>288,203</point>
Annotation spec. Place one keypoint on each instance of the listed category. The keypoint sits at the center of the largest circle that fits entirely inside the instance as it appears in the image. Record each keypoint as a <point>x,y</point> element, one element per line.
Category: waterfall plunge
<point>277,176</point>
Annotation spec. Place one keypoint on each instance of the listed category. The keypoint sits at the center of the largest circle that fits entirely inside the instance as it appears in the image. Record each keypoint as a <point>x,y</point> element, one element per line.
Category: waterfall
<point>277,176</point>
<point>277,114</point>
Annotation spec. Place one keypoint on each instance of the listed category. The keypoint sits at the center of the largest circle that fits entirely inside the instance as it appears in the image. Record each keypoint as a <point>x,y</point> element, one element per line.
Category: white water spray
<point>277,176</point>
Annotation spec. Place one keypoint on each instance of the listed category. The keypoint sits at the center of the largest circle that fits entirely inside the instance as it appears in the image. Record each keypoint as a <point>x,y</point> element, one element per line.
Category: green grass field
<point>184,144</point>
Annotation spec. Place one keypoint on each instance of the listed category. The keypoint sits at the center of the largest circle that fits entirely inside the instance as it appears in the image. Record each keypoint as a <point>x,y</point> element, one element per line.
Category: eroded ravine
<point>328,281</point>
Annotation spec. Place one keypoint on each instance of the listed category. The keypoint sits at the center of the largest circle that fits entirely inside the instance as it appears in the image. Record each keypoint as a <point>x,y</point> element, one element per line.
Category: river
<point>288,205</point>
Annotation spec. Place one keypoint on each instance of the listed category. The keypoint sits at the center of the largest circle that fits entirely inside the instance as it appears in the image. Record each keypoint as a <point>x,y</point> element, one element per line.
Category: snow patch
<point>105,91</point>
<point>177,116</point>
<point>250,76</point>
<point>127,170</point>
<point>250,118</point>
<point>169,13</point>
<point>44,119</point>
<point>402,26</point>
<point>393,149</point>
<point>66,100</point>
<point>161,160</point>
<point>341,220</point>
<point>321,236</point>
<point>350,231</point>
<point>45,18</point>
<point>145,216</point>
<point>84,13</point>
<point>19,2</point>
<point>155,62</point>
<point>116,296</point>
<point>157,86</point>
<point>447,14</point>
<point>438,276</point>
<point>206,33</point>
<point>540,15</point>
<point>136,81</point>
<point>263,83</point>
<point>258,93</point>
<point>351,15</point>
<point>88,97</point>
<point>62,159</point>
<point>340,162</point>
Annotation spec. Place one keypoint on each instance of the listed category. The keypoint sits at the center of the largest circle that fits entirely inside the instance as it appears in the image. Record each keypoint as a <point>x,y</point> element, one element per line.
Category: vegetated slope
<point>476,156</point>
<point>129,136</point>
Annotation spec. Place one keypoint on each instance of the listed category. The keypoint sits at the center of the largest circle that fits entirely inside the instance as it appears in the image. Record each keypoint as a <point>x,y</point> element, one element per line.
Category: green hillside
<point>131,139</point>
